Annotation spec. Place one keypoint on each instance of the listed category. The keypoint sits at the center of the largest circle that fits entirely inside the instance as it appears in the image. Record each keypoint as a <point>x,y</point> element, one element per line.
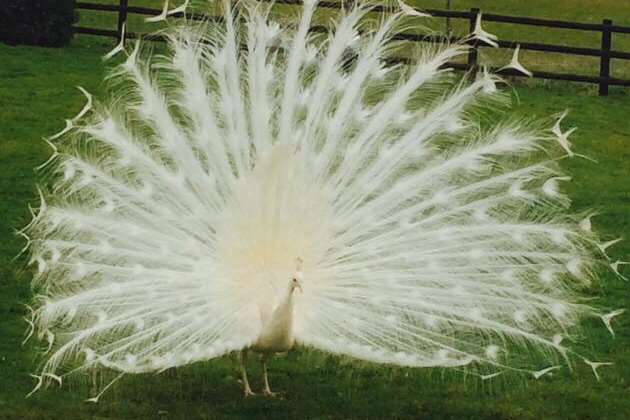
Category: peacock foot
<point>249,393</point>
<point>268,393</point>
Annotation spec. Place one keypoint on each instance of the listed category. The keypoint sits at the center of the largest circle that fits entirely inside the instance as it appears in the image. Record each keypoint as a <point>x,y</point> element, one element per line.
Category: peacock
<point>261,185</point>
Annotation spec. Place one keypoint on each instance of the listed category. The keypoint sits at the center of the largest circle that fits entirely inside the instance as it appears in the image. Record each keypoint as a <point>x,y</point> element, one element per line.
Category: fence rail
<point>604,53</point>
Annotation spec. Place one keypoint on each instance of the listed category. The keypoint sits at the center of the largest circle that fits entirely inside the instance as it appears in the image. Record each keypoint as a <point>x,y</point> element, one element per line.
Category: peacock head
<point>296,280</point>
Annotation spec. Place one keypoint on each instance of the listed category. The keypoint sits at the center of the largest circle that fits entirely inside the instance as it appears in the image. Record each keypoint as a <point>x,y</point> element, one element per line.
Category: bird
<point>249,190</point>
<point>276,335</point>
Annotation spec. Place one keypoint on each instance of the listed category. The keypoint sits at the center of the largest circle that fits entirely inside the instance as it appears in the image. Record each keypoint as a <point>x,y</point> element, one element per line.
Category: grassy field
<point>37,93</point>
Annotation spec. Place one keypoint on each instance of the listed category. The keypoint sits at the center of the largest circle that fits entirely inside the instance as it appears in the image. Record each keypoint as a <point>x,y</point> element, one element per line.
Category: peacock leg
<point>94,375</point>
<point>246,388</point>
<point>266,389</point>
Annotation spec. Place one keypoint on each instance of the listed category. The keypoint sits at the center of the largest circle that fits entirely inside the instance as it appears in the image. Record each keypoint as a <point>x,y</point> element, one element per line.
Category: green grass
<point>37,93</point>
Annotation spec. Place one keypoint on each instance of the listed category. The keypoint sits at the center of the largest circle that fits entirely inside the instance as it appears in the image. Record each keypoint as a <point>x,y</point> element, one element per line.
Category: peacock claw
<point>270,394</point>
<point>249,393</point>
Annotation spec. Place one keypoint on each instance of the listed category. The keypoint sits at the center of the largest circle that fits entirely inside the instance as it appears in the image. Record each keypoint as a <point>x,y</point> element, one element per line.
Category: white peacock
<point>185,215</point>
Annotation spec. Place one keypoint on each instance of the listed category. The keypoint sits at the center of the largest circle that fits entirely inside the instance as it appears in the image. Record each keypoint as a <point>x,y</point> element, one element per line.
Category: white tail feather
<point>181,209</point>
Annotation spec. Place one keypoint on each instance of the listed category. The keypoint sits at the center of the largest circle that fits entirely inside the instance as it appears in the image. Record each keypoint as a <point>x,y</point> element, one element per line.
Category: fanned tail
<point>428,238</point>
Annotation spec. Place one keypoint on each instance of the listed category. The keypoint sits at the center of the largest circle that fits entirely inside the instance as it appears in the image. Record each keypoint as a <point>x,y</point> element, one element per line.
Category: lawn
<point>37,93</point>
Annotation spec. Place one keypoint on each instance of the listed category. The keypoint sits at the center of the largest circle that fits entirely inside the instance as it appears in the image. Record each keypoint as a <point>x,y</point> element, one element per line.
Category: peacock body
<point>186,216</point>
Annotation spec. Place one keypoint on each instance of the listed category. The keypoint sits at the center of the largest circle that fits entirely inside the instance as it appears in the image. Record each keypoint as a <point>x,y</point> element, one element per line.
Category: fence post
<point>604,64</point>
<point>122,18</point>
<point>472,52</point>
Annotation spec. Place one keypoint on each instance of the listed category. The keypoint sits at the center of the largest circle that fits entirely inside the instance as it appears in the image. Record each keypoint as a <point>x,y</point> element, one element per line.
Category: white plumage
<point>178,212</point>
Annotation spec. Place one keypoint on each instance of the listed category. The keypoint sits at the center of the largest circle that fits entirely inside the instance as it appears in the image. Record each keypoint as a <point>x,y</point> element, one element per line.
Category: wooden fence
<point>605,52</point>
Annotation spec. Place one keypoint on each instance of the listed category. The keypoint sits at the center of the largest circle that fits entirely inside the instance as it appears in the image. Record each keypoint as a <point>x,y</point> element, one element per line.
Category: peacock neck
<point>287,298</point>
<point>277,329</point>
<point>284,309</point>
